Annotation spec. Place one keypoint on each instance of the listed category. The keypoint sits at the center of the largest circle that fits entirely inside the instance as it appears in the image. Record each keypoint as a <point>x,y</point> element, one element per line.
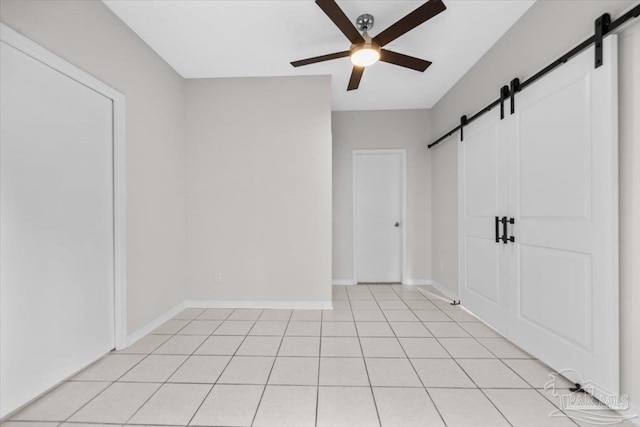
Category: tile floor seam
<point>554,405</point>
<point>320,363</point>
<point>113,382</point>
<point>222,370</point>
<point>367,298</point>
<point>271,370</point>
<point>469,376</point>
<point>175,370</point>
<point>366,368</point>
<point>414,368</point>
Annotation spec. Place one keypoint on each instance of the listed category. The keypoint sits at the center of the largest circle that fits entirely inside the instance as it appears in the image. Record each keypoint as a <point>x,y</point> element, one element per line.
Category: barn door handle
<point>512,237</point>
<point>504,237</point>
<point>504,230</point>
<point>497,229</point>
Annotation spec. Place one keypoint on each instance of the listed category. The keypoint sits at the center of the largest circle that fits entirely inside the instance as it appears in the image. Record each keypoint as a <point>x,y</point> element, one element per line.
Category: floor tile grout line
<point>320,337</point>
<point>311,385</point>
<point>471,379</point>
<point>113,382</point>
<point>221,371</point>
<point>253,420</point>
<point>175,370</point>
<point>154,350</point>
<point>366,368</point>
<point>320,364</point>
<point>225,366</point>
<point>413,367</point>
<point>558,408</point>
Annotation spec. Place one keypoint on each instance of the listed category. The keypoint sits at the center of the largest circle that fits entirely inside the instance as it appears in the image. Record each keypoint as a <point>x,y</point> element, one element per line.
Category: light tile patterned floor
<point>387,355</point>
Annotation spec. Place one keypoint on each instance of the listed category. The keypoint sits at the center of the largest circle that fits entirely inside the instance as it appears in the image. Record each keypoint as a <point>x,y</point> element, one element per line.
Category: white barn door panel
<point>483,274</point>
<point>563,173</point>
<point>552,168</point>
<point>57,227</point>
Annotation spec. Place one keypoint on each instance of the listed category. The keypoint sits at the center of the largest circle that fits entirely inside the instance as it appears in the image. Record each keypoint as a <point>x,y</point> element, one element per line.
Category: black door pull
<point>504,220</point>
<point>504,230</point>
<point>512,221</point>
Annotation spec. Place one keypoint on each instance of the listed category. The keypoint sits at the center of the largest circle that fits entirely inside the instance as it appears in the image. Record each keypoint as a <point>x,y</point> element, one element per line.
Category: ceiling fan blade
<point>333,11</point>
<point>321,58</point>
<point>404,60</point>
<point>356,76</point>
<point>409,22</point>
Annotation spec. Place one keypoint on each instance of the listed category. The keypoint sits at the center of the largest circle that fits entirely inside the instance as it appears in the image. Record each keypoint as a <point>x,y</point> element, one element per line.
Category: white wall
<point>545,32</point>
<point>409,129</point>
<point>87,34</point>
<point>259,188</point>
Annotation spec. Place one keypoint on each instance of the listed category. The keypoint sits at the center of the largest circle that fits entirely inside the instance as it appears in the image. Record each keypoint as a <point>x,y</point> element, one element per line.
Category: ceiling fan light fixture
<point>365,57</point>
<point>365,54</point>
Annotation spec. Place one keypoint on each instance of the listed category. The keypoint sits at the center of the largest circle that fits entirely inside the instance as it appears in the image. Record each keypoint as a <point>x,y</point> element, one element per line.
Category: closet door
<point>482,197</point>
<point>563,169</point>
<point>56,227</point>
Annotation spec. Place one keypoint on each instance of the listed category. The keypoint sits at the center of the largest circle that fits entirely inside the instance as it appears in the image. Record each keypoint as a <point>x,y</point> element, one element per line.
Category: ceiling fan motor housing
<point>364,22</point>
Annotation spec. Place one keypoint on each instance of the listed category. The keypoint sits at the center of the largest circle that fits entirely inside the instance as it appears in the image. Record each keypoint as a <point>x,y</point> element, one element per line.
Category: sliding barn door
<point>483,193</point>
<point>563,173</point>
<point>552,169</point>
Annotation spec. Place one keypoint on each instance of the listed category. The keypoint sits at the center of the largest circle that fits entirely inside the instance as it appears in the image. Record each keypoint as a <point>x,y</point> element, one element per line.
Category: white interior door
<point>378,215</point>
<point>553,168</point>
<point>483,193</point>
<point>563,162</point>
<point>56,220</point>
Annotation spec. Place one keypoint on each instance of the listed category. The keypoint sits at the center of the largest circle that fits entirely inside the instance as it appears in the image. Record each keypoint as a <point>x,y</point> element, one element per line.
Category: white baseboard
<point>149,327</point>
<point>416,282</point>
<point>410,282</point>
<point>297,305</point>
<point>343,282</point>
<point>277,305</point>
<point>444,290</point>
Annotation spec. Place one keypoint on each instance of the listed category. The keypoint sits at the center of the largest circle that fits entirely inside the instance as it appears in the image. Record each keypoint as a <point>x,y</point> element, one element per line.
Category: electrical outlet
<point>217,278</point>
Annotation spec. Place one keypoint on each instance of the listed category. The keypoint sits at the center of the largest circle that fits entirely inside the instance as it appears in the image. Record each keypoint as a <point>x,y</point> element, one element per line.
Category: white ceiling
<point>238,38</point>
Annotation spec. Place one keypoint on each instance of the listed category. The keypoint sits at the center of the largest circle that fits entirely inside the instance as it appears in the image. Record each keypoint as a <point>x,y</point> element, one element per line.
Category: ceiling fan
<point>367,51</point>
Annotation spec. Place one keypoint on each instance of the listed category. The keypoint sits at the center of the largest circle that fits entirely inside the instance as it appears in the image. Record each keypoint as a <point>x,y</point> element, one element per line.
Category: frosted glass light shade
<point>365,57</point>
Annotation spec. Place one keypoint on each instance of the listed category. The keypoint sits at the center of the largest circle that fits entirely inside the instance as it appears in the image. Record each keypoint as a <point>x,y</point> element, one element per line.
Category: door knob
<point>397,224</point>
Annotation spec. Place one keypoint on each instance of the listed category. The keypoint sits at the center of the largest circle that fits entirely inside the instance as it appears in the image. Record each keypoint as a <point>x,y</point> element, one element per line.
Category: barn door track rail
<point>603,26</point>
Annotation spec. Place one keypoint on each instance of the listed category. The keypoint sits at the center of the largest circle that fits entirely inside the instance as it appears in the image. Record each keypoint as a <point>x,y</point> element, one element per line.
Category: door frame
<point>403,255</point>
<point>48,58</point>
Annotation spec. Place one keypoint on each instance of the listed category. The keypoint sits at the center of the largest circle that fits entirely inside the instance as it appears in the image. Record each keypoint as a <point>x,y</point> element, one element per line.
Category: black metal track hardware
<point>578,389</point>
<point>504,94</point>
<point>613,25</point>
<point>454,302</point>
<point>463,122</point>
<point>601,29</point>
<point>515,87</point>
